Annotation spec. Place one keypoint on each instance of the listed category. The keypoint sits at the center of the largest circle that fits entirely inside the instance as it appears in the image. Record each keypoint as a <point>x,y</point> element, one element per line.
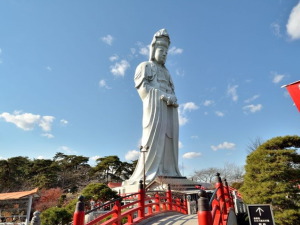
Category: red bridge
<point>141,207</point>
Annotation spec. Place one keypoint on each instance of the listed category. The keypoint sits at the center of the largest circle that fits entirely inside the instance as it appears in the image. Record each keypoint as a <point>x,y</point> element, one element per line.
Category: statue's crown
<point>161,37</point>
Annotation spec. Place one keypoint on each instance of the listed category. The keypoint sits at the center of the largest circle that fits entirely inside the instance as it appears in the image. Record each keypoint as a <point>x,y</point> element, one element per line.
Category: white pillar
<point>28,210</point>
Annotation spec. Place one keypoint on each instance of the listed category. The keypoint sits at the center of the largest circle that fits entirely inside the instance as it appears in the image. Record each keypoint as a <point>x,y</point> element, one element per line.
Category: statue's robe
<point>160,123</point>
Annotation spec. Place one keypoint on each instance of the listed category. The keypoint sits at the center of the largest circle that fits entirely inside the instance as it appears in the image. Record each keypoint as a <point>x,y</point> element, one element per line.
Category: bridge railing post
<point>117,214</point>
<point>204,211</point>
<point>141,198</point>
<point>157,202</point>
<point>169,198</point>
<point>229,202</point>
<point>78,216</point>
<point>220,194</point>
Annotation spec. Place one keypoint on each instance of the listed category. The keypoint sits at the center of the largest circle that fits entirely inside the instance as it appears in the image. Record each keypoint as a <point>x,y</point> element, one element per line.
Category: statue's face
<point>160,55</point>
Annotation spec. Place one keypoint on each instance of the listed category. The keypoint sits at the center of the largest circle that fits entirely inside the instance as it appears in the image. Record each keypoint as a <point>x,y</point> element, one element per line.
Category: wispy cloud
<point>251,99</point>
<point>219,113</point>
<point>120,68</point>
<point>132,155</point>
<point>191,155</point>
<point>48,68</point>
<point>252,108</point>
<point>108,39</point>
<point>175,51</point>
<point>208,102</point>
<point>93,159</point>
<point>277,78</point>
<point>48,135</point>
<point>232,92</point>
<point>180,72</point>
<point>293,24</point>
<point>27,121</point>
<point>276,29</point>
<point>224,145</point>
<point>180,145</point>
<point>63,122</point>
<point>183,109</point>
<point>113,58</point>
<point>103,84</point>
<point>66,149</point>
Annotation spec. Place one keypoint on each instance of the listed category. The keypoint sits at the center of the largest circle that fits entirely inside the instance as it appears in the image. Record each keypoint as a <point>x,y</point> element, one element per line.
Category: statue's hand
<point>170,100</point>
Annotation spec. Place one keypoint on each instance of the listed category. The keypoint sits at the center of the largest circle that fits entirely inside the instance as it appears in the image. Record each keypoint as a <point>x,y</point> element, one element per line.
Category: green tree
<point>109,168</point>
<point>56,215</point>
<point>272,177</point>
<point>98,191</point>
<point>14,173</point>
<point>73,171</point>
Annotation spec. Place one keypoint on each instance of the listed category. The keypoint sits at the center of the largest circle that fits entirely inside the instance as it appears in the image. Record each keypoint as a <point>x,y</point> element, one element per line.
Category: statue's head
<point>160,38</point>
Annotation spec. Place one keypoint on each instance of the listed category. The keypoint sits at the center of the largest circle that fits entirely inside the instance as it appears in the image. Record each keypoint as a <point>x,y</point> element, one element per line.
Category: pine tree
<point>273,176</point>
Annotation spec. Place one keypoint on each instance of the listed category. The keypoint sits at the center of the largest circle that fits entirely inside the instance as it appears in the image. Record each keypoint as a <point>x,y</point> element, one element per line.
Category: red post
<point>220,194</point>
<point>169,198</point>
<point>78,217</point>
<point>204,212</point>
<point>117,214</point>
<point>157,201</point>
<point>229,202</point>
<point>141,198</point>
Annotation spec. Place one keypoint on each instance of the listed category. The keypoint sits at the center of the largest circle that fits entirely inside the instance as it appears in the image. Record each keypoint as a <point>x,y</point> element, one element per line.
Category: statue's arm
<point>142,79</point>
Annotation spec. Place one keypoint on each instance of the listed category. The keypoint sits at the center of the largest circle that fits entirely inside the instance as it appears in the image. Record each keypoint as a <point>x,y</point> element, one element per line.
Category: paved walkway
<point>171,218</point>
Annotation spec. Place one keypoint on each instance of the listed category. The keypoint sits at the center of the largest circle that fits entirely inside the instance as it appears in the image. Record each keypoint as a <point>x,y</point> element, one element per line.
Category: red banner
<point>294,91</point>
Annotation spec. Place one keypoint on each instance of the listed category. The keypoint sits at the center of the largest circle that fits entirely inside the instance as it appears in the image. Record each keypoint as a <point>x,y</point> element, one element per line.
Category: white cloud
<point>175,51</point>
<point>180,145</point>
<point>277,78</point>
<point>183,109</point>
<point>66,149</point>
<point>180,72</point>
<point>189,106</point>
<point>27,121</point>
<point>144,51</point>
<point>276,29</point>
<point>92,159</point>
<point>293,24</point>
<point>108,39</point>
<point>40,157</point>
<point>132,155</point>
<point>113,58</point>
<point>194,137</point>
<point>64,122</point>
<point>49,68</point>
<point>251,99</point>
<point>191,155</point>
<point>103,84</point>
<point>208,102</point>
<point>252,108</point>
<point>232,92</point>
<point>219,113</point>
<point>46,122</point>
<point>48,135</point>
<point>120,68</point>
<point>224,145</point>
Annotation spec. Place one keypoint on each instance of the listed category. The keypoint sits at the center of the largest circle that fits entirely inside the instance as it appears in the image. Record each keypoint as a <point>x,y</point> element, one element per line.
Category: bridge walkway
<point>171,218</point>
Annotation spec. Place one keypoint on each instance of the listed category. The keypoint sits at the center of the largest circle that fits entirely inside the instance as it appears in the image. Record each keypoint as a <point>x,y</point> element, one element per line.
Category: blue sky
<point>67,67</point>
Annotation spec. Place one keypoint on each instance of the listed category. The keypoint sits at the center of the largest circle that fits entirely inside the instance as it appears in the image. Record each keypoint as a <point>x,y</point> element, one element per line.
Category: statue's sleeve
<point>142,74</point>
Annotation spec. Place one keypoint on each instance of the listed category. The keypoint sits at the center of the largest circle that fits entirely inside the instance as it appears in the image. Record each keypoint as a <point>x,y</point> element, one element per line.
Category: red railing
<point>136,207</point>
<point>217,210</point>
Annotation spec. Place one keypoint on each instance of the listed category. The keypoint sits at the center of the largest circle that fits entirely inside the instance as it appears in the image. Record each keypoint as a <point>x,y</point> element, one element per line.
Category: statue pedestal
<point>161,183</point>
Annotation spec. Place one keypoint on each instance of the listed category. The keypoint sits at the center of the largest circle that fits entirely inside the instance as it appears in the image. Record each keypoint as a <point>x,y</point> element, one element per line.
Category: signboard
<point>260,215</point>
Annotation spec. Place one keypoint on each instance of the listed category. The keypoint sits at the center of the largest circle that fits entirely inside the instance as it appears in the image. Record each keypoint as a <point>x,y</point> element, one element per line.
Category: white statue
<point>160,114</point>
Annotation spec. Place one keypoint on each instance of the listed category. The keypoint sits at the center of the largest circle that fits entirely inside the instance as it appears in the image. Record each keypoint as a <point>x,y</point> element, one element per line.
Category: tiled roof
<point>18,195</point>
